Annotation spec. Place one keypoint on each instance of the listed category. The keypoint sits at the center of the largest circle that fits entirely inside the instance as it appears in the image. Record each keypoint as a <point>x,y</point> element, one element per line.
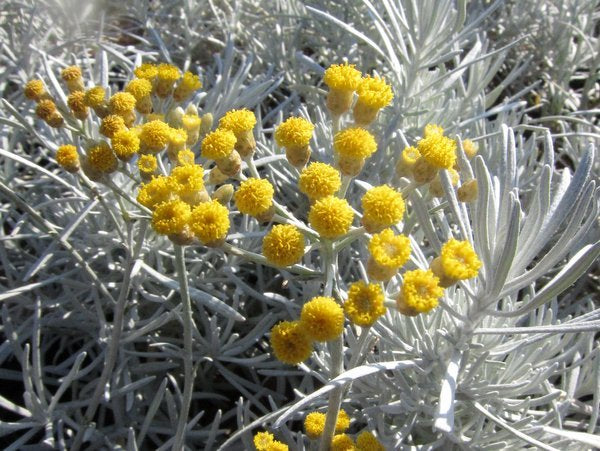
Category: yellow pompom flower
<point>283,245</point>
<point>218,144</point>
<point>382,206</point>
<point>185,157</point>
<point>276,445</point>
<point>34,89</point>
<point>190,182</point>
<point>354,143</point>
<point>366,441</point>
<point>342,77</point>
<point>147,71</point>
<point>459,260</point>
<point>121,103</point>
<point>389,250</point>
<point>319,180</point>
<point>342,442</point>
<point>139,88</point>
<point>254,197</point>
<point>76,101</point>
<point>102,158</point>
<point>210,222</point>
<point>364,304</point>
<point>407,160</point>
<point>438,150</point>
<point>154,136</point>
<point>68,158</point>
<point>294,132</point>
<point>420,292</point>
<point>159,189</point>
<point>322,318</point>
<point>314,423</point>
<point>331,217</point>
<point>166,77</point>
<point>112,124</point>
<point>188,84</point>
<point>262,440</point>
<point>171,217</point>
<point>94,97</point>
<point>290,342</point>
<point>125,144</point>
<point>72,77</point>
<point>373,94</point>
<point>238,121</point>
<point>45,109</point>
<point>147,164</point>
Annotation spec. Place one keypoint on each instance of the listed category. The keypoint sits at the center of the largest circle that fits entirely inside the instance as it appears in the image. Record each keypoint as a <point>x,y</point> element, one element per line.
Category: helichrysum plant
<point>360,260</point>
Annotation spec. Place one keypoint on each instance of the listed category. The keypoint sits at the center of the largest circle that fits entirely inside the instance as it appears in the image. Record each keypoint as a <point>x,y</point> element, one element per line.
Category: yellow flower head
<point>322,318</point>
<point>438,150</point>
<point>294,132</point>
<point>139,88</point>
<point>147,164</point>
<point>470,148</point>
<point>254,196</point>
<point>410,155</point>
<point>189,82</point>
<point>177,137</point>
<point>290,342</point>
<point>94,97</point>
<point>76,101</point>
<point>238,121</point>
<point>125,144</point>
<point>342,77</point>
<point>283,245</point>
<point>420,290</point>
<point>188,178</point>
<point>121,103</point>
<point>34,89</point>
<point>185,157</point>
<point>155,136</point>
<point>67,157</point>
<point>262,440</point>
<point>374,92</point>
<point>342,442</point>
<point>314,423</point>
<point>389,250</point>
<point>71,73</point>
<point>366,441</point>
<point>331,217</point>
<point>102,158</point>
<point>210,221</point>
<point>354,143</point>
<point>45,108</point>
<point>147,71</point>
<point>383,206</point>
<point>111,124</point>
<point>168,72</point>
<point>218,144</point>
<point>459,260</point>
<point>171,217</point>
<point>158,190</point>
<point>364,304</point>
<point>191,122</point>
<point>433,129</point>
<point>319,180</point>
<point>276,445</point>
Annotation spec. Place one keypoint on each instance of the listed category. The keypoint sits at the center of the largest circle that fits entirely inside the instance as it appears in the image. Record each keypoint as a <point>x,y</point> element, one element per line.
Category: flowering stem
<point>328,267</point>
<point>188,324</point>
<point>336,350</point>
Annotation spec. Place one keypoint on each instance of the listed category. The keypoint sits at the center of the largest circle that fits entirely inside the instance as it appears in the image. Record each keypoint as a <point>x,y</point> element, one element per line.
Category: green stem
<point>188,368</point>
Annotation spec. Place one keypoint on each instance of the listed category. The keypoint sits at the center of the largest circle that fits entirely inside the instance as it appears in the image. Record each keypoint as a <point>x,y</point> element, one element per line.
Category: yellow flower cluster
<point>331,216</point>
<point>321,319</point>
<point>364,304</point>
<point>264,441</point>
<point>283,245</point>
<point>314,423</point>
<point>382,206</point>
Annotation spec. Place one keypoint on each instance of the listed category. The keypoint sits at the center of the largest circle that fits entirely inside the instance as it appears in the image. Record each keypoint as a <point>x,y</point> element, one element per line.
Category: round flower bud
<point>319,180</point>
<point>254,197</point>
<point>125,144</point>
<point>210,222</point>
<point>154,136</point>
<point>373,94</point>
<point>111,124</point>
<point>438,150</point>
<point>283,245</point>
<point>331,217</point>
<point>218,144</point>
<point>68,158</point>
<point>468,191</point>
<point>170,218</point>
<point>35,90</point>
<point>290,342</point>
<point>383,206</point>
<point>101,158</point>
